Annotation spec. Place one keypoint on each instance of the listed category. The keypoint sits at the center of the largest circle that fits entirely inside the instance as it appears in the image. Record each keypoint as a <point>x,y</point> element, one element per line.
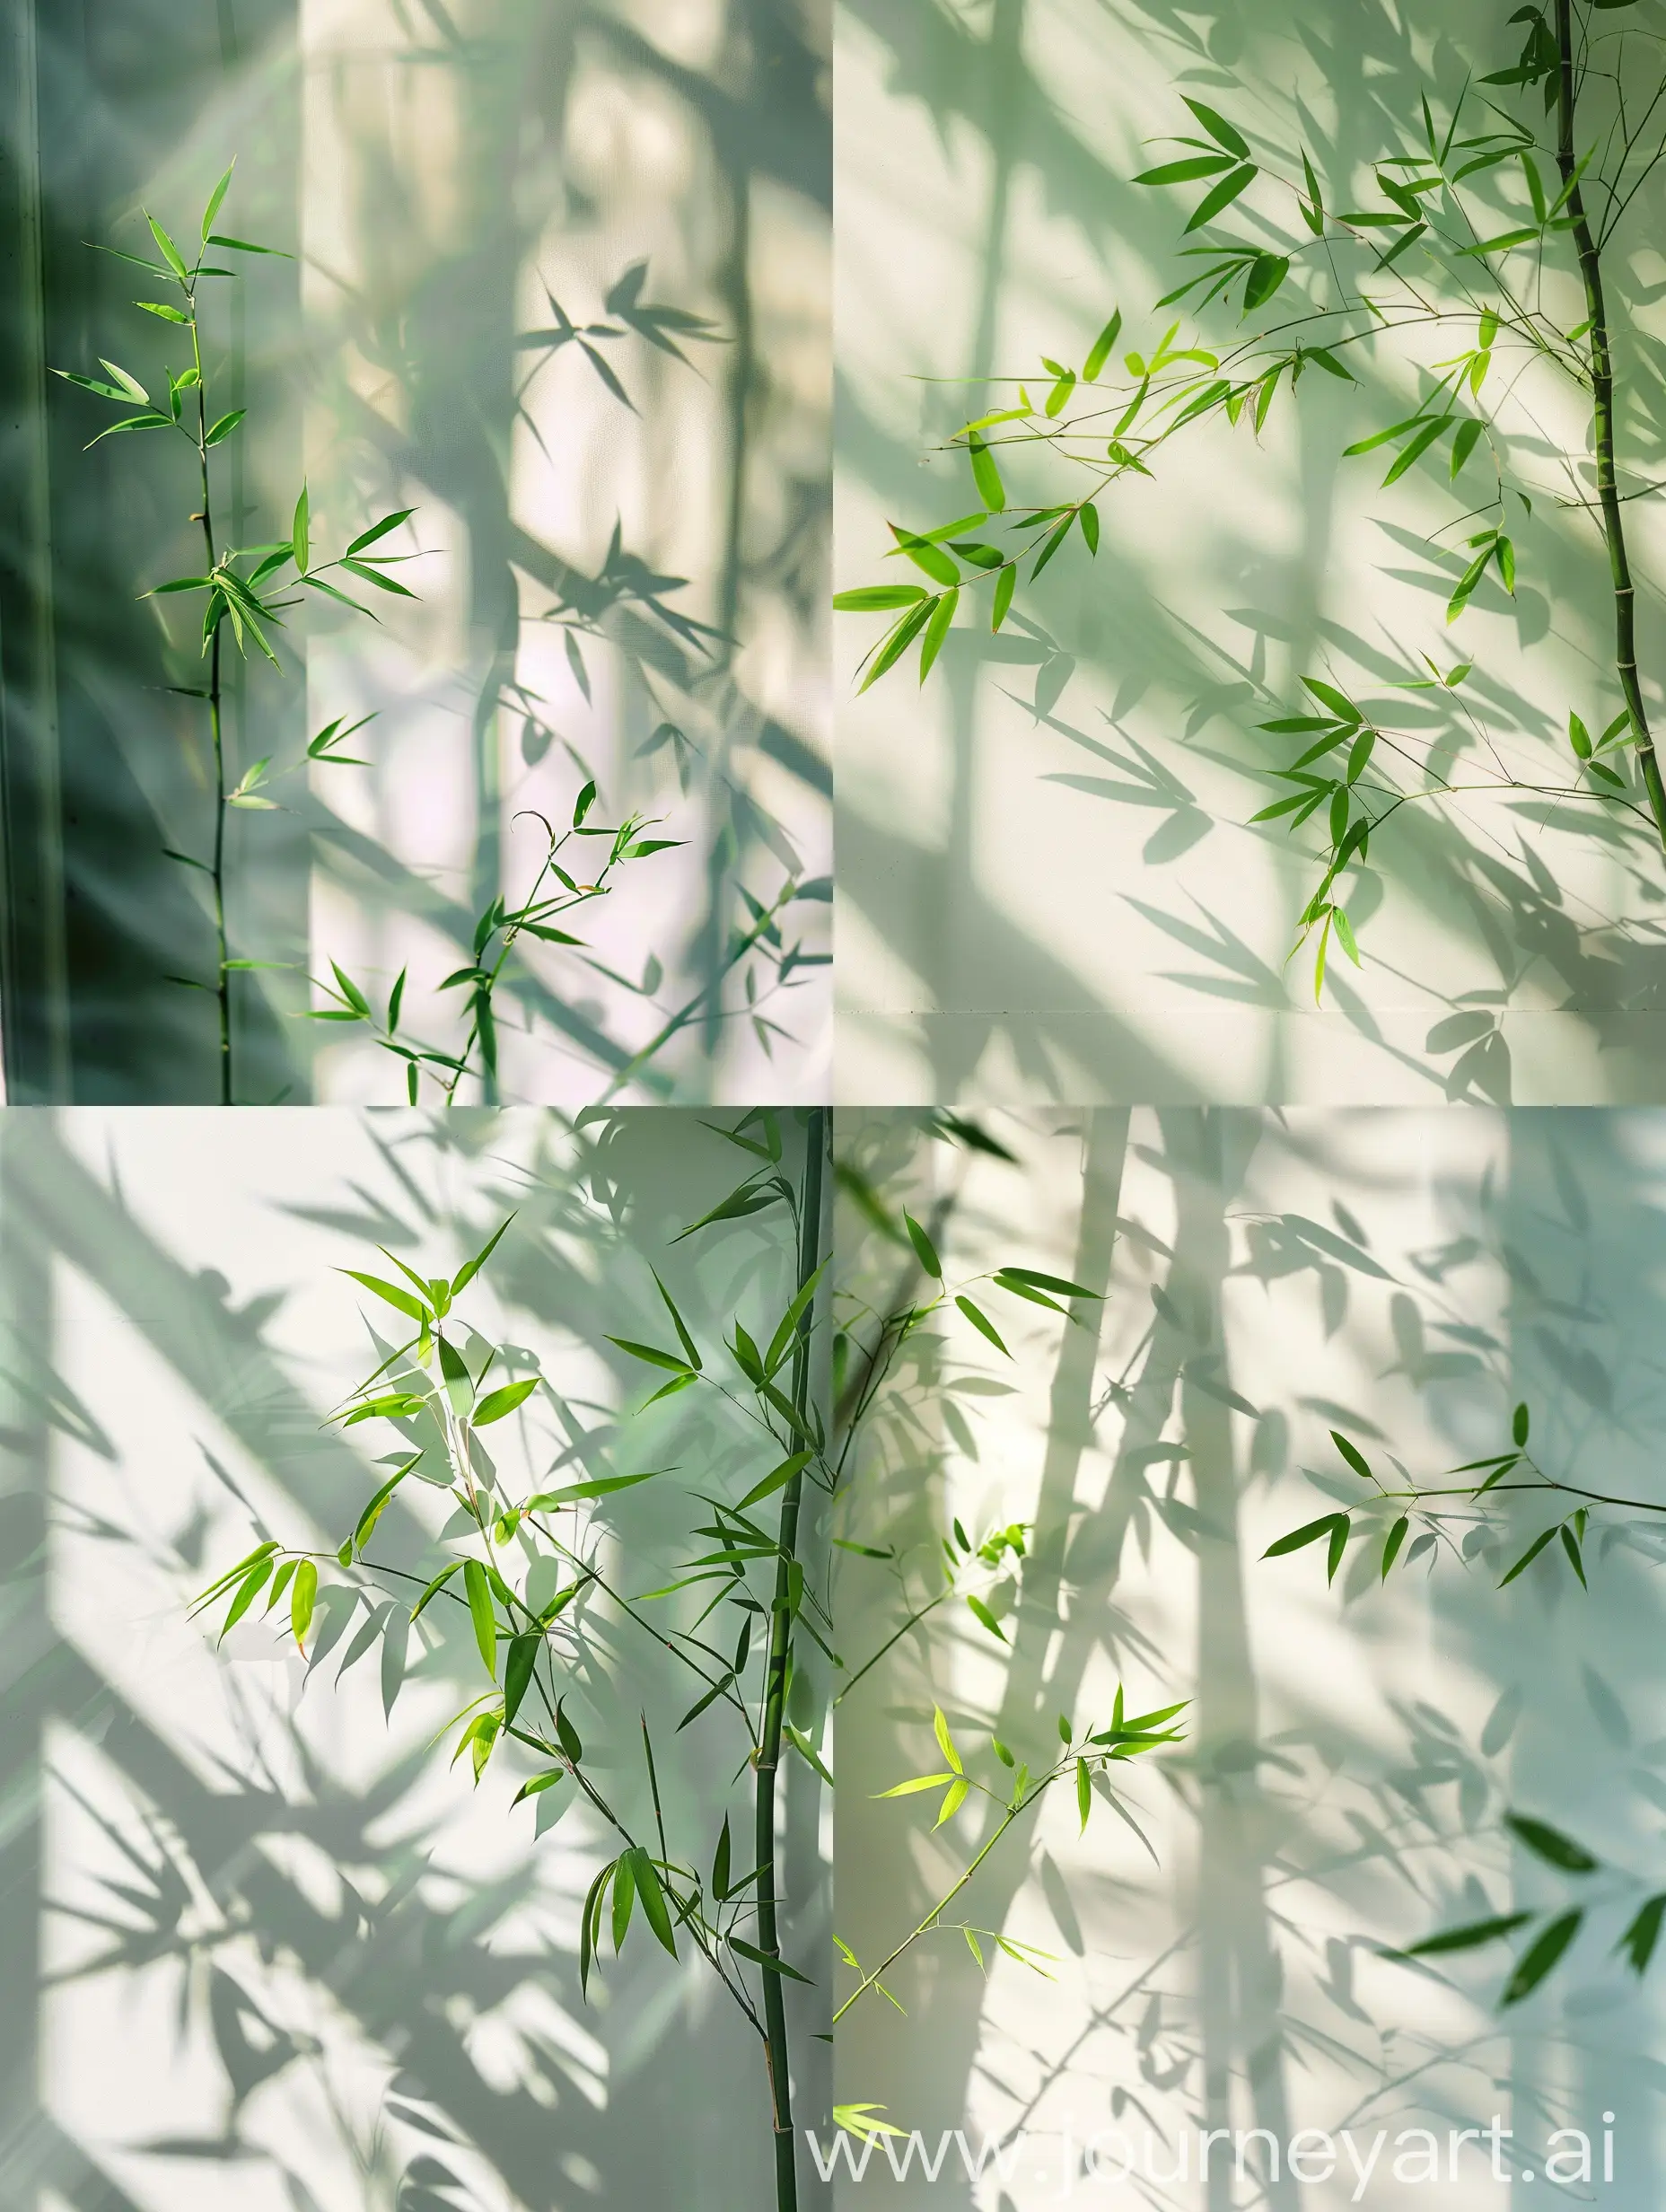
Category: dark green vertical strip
<point>34,993</point>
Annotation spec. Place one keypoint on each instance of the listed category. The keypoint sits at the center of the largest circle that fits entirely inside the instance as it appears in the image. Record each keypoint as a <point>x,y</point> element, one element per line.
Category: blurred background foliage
<point>461,182</point>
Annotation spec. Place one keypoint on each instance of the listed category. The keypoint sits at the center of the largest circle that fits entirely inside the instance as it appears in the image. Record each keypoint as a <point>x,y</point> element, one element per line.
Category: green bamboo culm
<point>1602,419</point>
<point>789,1572</point>
<point>237,583</point>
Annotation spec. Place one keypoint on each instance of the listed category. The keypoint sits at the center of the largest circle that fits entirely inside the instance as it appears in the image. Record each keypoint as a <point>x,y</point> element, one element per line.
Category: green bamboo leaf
<point>924,554</point>
<point>400,1300</point>
<point>478,1587</point>
<point>982,1323</point>
<point>169,252</point>
<point>214,200</point>
<point>222,430</point>
<point>1413,450</point>
<point>980,1612</point>
<point>1185,172</point>
<point>1222,132</point>
<point>1551,1845</point>
<point>770,1965</point>
<point>248,1590</point>
<point>1309,1532</point>
<point>1528,1557</point>
<point>1570,1544</point>
<point>496,1403</point>
<point>1540,1957</point>
<point>1352,1454</point>
<point>302,1599</point>
<point>466,1275</point>
<point>936,631</point>
<point>538,1784</point>
<point>912,1789</point>
<point>1008,1277</point>
<point>245,245</point>
<point>1221,195</point>
<point>1464,443</point>
<point>434,1588</point>
<point>598,1485</point>
<point>1101,351</point>
<point>1391,1547</point>
<point>945,1739</point>
<point>925,1252</point>
<point>624,1897</point>
<point>380,530</point>
<point>1084,1793</point>
<point>1267,271</point>
<point>1641,1937</point>
<point>651,1355</point>
<point>519,1664</point>
<point>1006,585</point>
<point>1056,537</point>
<point>367,574</point>
<point>900,638</point>
<point>1520,1424</point>
<point>953,1798</point>
<point>879,598</point>
<point>647,1877</point>
<point>986,475</point>
<point>1469,1937</point>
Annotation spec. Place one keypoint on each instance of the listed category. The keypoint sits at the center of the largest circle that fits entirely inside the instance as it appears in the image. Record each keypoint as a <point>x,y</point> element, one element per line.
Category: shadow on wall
<point>291,1956</point>
<point>440,165</point>
<point>1213,1956</point>
<point>1081,879</point>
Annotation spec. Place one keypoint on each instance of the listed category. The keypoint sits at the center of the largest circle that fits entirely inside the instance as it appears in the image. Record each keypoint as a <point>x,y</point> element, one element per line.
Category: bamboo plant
<point>1491,233</point>
<point>238,585</point>
<point>1476,1516</point>
<point>531,1582</point>
<point>528,1573</point>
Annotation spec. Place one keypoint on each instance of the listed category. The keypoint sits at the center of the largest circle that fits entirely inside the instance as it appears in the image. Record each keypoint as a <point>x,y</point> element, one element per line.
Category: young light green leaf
<point>937,629</point>
<point>879,598</point>
<point>496,1403</point>
<point>1101,351</point>
<point>985,474</point>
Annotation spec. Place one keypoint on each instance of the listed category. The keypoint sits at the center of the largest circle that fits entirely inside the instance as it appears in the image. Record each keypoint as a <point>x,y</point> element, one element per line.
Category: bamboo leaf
<point>1540,1957</point>
<point>1551,1845</point>
<point>478,1587</point>
<point>171,253</point>
<point>986,474</point>
<point>1221,195</point>
<point>496,1403</point>
<point>980,1322</point>
<point>925,1252</point>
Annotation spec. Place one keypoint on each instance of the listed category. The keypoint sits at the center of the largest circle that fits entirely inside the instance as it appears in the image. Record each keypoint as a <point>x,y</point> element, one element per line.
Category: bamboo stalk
<point>776,2052</point>
<point>1602,422</point>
